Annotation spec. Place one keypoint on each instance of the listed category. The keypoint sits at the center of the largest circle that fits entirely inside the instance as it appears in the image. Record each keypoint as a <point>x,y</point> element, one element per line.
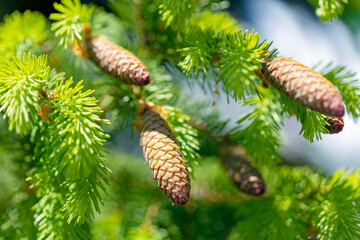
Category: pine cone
<point>165,159</point>
<point>117,61</point>
<point>245,176</point>
<point>336,124</point>
<point>304,86</point>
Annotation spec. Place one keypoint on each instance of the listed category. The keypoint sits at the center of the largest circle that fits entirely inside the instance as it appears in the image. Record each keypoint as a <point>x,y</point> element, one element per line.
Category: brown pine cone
<point>304,86</point>
<point>166,161</point>
<point>117,61</point>
<point>245,176</point>
<point>336,124</point>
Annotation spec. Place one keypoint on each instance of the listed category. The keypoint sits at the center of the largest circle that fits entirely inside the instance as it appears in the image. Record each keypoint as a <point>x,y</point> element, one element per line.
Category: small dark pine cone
<point>336,124</point>
<point>304,86</point>
<point>245,176</point>
<point>117,61</point>
<point>166,161</point>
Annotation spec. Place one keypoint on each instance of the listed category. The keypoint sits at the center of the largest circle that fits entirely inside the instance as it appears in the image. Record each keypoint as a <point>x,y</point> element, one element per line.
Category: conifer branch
<point>259,130</point>
<point>103,24</point>
<point>20,82</point>
<point>237,55</point>
<point>77,132</point>
<point>275,219</point>
<point>122,100</point>
<point>301,182</point>
<point>202,37</point>
<point>186,134</point>
<point>328,10</point>
<point>125,12</point>
<point>23,32</point>
<point>70,20</point>
<point>198,52</point>
<point>62,124</point>
<point>17,219</point>
<point>242,55</point>
<point>161,91</point>
<point>78,148</point>
<point>51,223</point>
<point>313,124</point>
<point>338,215</point>
<point>175,12</point>
<point>70,152</point>
<point>218,22</point>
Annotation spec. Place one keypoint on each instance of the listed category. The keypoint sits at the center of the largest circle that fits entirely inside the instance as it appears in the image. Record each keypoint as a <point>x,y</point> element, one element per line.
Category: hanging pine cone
<point>245,176</point>
<point>336,124</point>
<point>117,61</point>
<point>304,86</point>
<point>166,161</point>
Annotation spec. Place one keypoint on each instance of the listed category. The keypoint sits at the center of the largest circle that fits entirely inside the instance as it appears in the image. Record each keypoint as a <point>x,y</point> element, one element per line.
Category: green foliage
<point>207,120</point>
<point>62,157</point>
<point>328,10</point>
<point>313,124</point>
<point>204,34</point>
<point>186,135</point>
<point>268,219</point>
<point>124,10</point>
<point>77,145</point>
<point>217,210</point>
<point>17,221</point>
<point>216,40</point>
<point>300,182</point>
<point>219,22</point>
<point>198,52</point>
<point>338,215</point>
<point>161,90</point>
<point>241,57</point>
<point>79,138</point>
<point>176,12</point>
<point>20,82</point>
<point>329,204</point>
<point>121,101</point>
<point>22,32</point>
<point>103,24</point>
<point>260,128</point>
<point>348,86</point>
<point>135,204</point>
<point>50,222</point>
<point>70,20</point>
<point>70,151</point>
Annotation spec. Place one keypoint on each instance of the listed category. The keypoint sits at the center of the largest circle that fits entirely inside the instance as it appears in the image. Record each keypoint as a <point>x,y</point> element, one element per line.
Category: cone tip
<point>145,79</point>
<point>258,188</point>
<point>336,125</point>
<point>180,199</point>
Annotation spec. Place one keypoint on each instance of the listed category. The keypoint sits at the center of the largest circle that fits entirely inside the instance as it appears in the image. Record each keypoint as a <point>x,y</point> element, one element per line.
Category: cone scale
<point>304,86</point>
<point>117,61</point>
<point>239,169</point>
<point>165,159</point>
